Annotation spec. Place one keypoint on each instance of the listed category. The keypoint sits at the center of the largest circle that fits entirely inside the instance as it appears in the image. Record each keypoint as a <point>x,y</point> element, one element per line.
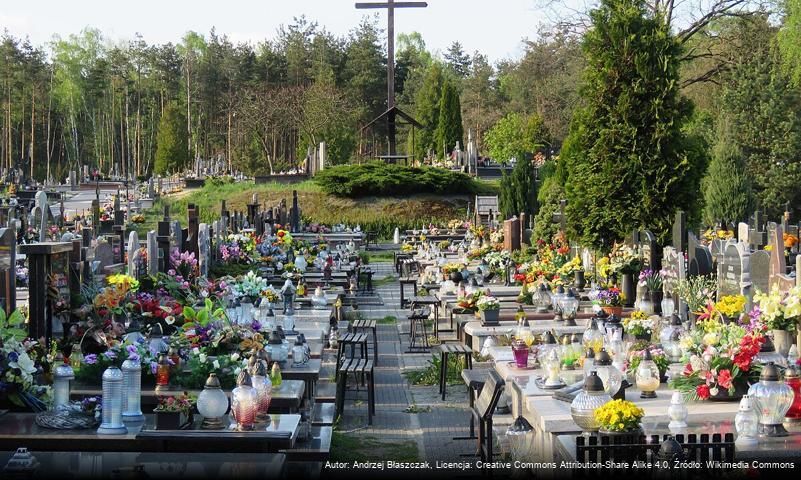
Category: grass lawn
<point>351,447</point>
<point>380,214</point>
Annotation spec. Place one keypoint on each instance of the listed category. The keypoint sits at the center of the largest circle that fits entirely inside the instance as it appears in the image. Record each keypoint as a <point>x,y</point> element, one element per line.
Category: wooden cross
<point>391,5</point>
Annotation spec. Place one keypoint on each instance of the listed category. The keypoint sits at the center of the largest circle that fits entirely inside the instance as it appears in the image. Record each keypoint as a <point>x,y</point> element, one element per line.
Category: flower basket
<point>172,420</point>
<point>618,310</point>
<point>740,389</point>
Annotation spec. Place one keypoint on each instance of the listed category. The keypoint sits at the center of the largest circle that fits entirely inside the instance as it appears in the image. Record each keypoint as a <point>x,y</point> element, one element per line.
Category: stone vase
<point>782,341</point>
<point>629,289</point>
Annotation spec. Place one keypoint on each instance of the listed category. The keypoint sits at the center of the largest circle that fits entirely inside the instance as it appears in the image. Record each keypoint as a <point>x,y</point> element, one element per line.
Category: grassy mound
<point>379,178</point>
<point>380,214</point>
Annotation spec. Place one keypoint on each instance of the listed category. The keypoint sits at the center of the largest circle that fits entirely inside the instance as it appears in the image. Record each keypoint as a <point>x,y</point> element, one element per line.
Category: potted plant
<point>639,325</point>
<point>652,281</point>
<point>611,301</point>
<point>624,260</point>
<point>719,359</point>
<point>619,417</point>
<point>174,413</point>
<point>730,307</point>
<point>490,308</point>
<point>780,313</point>
<point>697,292</point>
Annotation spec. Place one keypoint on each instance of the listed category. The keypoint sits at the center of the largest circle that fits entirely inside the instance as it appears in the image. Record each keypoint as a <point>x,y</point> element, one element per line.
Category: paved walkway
<point>405,412</point>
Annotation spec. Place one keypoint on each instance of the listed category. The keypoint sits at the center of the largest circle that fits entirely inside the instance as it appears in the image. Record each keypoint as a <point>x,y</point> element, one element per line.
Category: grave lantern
<point>112,403</point>
<point>62,377</point>
<point>212,403</point>
<point>48,267</point>
<point>772,399</point>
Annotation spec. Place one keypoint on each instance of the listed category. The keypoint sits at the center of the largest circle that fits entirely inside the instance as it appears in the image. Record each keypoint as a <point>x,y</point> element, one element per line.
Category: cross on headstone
<point>390,6</point>
<point>44,209</point>
<point>680,231</point>
<point>778,264</point>
<point>193,223</point>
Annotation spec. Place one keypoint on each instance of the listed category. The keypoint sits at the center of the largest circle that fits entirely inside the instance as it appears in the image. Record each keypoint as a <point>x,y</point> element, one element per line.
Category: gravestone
<point>151,189</point>
<point>646,241</point>
<point>44,208</point>
<point>73,180</point>
<point>176,235</point>
<point>717,249</point>
<point>680,232</point>
<point>778,265</point>
<point>760,271</point>
<point>104,253</point>
<point>734,271</point>
<point>204,249</point>
<point>511,234</point>
<point>699,257</point>
<point>133,252</point>
<point>743,232</point>
<point>8,270</point>
<point>295,218</point>
<point>193,214</point>
<point>673,264</point>
<point>152,253</point>
<point>48,267</point>
<point>164,239</point>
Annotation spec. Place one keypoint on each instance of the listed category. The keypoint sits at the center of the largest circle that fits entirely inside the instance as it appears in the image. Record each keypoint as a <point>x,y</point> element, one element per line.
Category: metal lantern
<point>548,344</point>
<point>132,395</point>
<point>264,389</point>
<point>276,348</point>
<point>542,299</point>
<point>244,402</point>
<point>677,412</point>
<point>593,396</point>
<point>212,403</point>
<point>288,293</point>
<point>608,373</point>
<point>772,399</point>
<point>672,347</point>
<point>62,377</point>
<point>647,376</point>
<point>746,422</point>
<point>560,292</point>
<point>112,403</point>
<point>523,329</point>
<point>568,305</point>
<point>791,378</point>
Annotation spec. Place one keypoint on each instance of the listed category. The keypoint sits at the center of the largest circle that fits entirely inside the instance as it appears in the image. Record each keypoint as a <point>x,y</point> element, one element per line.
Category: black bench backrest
<point>490,395</point>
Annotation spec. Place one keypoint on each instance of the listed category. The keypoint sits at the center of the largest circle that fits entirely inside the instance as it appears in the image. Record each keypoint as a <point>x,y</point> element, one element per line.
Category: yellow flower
<point>711,338</point>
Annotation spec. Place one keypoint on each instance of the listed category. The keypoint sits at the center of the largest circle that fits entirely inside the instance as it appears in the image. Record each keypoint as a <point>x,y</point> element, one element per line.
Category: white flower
<point>237,370</point>
<point>25,364</point>
<point>235,357</point>
<point>196,350</point>
<point>216,363</point>
<point>714,391</point>
<point>169,320</point>
<point>202,358</point>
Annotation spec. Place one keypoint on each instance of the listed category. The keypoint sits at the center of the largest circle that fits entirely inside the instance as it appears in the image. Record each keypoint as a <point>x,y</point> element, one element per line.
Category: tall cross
<point>391,5</point>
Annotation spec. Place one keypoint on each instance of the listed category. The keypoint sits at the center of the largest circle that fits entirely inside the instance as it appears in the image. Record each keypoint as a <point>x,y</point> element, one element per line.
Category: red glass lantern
<point>792,377</point>
<point>163,373</point>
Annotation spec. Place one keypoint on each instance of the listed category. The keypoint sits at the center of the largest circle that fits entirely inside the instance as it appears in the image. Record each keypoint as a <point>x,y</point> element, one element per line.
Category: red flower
<point>281,234</point>
<point>688,370</point>
<point>743,361</point>
<point>702,391</point>
<point>563,250</point>
<point>724,379</point>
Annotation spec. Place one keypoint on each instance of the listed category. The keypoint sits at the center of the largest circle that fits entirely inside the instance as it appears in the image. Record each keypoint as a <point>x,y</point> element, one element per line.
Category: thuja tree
<point>518,190</point>
<point>171,141</point>
<point>728,196</point>
<point>629,164</point>
<point>449,126</point>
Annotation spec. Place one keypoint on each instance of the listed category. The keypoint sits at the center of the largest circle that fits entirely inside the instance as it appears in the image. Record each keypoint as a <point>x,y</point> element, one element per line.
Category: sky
<point>494,27</point>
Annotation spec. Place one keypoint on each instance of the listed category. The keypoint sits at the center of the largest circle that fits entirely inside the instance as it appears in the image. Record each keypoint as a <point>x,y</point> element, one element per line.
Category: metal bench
<point>362,370</point>
<point>363,326</point>
<point>445,351</point>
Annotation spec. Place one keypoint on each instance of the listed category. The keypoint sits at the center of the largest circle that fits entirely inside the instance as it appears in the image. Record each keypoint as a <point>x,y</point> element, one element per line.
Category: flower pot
<point>656,298</point>
<point>490,317</point>
<point>614,311</point>
<point>740,389</point>
<point>782,341</point>
<point>643,336</point>
<point>630,436</point>
<point>171,420</point>
<point>628,287</point>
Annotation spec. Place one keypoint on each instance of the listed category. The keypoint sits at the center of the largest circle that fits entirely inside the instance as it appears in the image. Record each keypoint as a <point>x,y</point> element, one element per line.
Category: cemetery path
<point>407,413</point>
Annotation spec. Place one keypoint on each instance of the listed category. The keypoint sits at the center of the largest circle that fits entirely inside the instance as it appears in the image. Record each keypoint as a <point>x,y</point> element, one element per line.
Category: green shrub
<point>379,178</point>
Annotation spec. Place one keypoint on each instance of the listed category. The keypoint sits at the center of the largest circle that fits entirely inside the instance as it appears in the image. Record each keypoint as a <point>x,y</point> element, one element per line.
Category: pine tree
<point>727,186</point>
<point>628,160</point>
<point>458,61</point>
<point>171,141</point>
<point>449,127</point>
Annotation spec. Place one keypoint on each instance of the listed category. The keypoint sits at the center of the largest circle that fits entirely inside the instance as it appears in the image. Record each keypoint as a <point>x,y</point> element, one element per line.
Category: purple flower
<point>153,367</point>
<point>133,353</point>
<point>90,359</point>
<point>255,325</point>
<point>13,357</point>
<point>110,355</point>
